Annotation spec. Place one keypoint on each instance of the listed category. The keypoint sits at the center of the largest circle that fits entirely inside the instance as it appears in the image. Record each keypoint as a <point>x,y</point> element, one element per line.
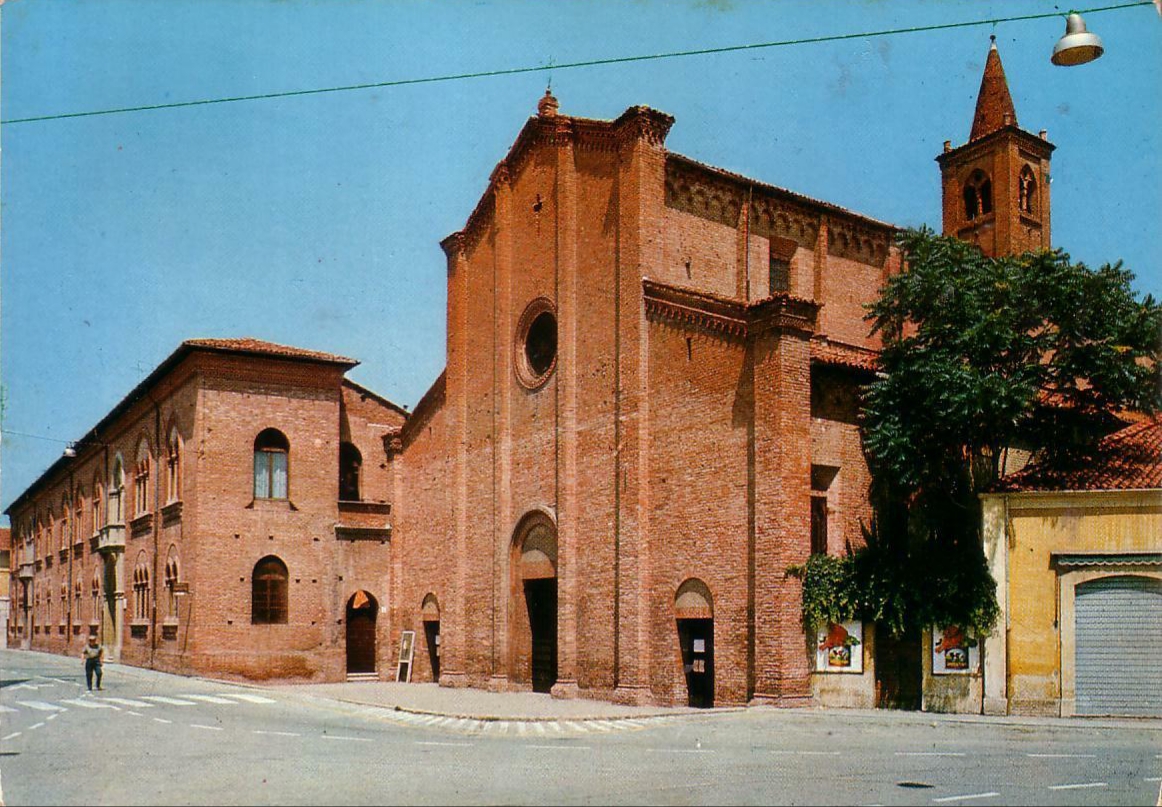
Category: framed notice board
<point>407,641</point>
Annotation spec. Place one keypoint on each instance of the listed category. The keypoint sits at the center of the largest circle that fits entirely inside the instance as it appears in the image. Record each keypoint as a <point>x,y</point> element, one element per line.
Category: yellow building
<point>1077,556</point>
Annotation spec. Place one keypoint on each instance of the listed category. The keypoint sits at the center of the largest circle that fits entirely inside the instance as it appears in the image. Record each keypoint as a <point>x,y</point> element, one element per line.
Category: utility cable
<point>570,65</point>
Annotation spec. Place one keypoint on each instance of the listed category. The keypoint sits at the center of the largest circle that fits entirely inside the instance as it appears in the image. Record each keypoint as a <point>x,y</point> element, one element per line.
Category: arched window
<point>268,601</point>
<point>66,522</point>
<point>141,589</point>
<point>98,495</point>
<point>270,465</point>
<point>141,479</point>
<point>173,456</point>
<point>1027,192</point>
<point>171,580</point>
<point>79,515</point>
<point>350,464</point>
<point>978,195</point>
<point>95,594</point>
<point>114,513</point>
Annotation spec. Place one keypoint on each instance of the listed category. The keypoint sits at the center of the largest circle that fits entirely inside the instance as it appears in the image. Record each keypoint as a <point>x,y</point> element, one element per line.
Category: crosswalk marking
<point>245,696</point>
<point>89,704</point>
<point>211,699</point>
<point>8,709</point>
<point>41,706</point>
<point>129,702</point>
<point>170,701</point>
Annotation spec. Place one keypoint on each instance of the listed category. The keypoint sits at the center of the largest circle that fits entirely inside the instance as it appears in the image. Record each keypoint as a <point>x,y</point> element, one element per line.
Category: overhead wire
<point>568,65</point>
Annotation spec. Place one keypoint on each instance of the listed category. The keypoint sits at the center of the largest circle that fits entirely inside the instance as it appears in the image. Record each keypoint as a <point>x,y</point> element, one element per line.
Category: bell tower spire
<point>996,186</point>
<point>994,105</point>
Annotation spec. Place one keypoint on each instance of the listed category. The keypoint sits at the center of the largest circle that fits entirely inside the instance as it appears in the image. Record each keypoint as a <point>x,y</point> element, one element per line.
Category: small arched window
<point>116,493</point>
<point>173,454</point>
<point>141,479</point>
<point>79,515</point>
<point>141,590</point>
<point>350,466</point>
<point>95,595</point>
<point>268,602</point>
<point>66,522</point>
<point>270,465</point>
<point>98,495</point>
<point>978,195</point>
<point>1027,192</point>
<point>171,580</point>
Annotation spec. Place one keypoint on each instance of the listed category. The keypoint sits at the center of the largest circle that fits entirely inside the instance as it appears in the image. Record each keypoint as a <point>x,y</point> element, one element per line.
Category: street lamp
<point>1078,45</point>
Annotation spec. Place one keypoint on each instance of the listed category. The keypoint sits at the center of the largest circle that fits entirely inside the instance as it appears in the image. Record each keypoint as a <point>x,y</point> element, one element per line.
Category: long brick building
<point>648,413</point>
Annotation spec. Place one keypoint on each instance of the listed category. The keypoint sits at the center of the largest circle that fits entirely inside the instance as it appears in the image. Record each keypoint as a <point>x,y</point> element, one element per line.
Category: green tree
<point>981,355</point>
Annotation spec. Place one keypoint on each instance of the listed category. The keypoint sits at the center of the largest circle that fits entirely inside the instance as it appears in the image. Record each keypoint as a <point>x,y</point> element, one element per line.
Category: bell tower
<point>996,186</point>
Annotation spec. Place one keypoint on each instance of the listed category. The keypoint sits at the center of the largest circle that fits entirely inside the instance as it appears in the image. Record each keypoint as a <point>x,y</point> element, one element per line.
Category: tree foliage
<point>981,355</point>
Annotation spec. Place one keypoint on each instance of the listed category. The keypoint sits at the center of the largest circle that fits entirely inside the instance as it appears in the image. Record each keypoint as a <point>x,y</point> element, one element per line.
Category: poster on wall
<point>839,647</point>
<point>955,651</point>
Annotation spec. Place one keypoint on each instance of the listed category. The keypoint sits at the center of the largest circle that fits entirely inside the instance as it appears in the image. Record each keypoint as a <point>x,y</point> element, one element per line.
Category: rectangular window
<point>819,525</point>
<point>261,475</point>
<point>780,275</point>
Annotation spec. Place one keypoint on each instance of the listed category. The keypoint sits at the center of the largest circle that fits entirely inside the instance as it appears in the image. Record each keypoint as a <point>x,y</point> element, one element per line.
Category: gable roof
<point>1129,459</point>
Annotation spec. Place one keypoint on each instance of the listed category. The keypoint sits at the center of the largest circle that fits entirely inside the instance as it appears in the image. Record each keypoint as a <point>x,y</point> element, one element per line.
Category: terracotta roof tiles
<point>1129,459</point>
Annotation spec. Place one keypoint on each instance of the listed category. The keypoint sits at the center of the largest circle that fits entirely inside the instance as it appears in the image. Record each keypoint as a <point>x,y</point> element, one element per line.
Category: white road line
<point>452,745</point>
<point>1079,786</point>
<point>278,733</point>
<point>207,728</point>
<point>62,681</point>
<point>242,696</point>
<point>807,753</point>
<point>352,739</point>
<point>170,701</point>
<point>1061,756</point>
<point>8,709</point>
<point>947,799</point>
<point>53,716</point>
<point>11,736</point>
<point>41,706</point>
<point>680,750</point>
<point>135,714</point>
<point>576,726</point>
<point>89,704</point>
<point>564,747</point>
<point>929,754</point>
<point>539,728</point>
<point>211,699</point>
<point>1153,779</point>
<point>162,720</point>
<point>36,726</point>
<point>603,725</point>
<point>129,702</point>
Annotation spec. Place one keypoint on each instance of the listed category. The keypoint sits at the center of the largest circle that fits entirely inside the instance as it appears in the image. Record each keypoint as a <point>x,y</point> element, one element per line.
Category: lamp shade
<point>1078,46</point>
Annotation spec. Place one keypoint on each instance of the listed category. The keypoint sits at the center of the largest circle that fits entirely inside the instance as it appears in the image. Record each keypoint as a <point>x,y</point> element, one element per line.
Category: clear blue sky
<point>315,220</point>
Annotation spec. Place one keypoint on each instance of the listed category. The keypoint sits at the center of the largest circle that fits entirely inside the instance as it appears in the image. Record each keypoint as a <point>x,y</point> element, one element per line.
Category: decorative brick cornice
<point>722,315</point>
<point>841,354</point>
<point>642,122</point>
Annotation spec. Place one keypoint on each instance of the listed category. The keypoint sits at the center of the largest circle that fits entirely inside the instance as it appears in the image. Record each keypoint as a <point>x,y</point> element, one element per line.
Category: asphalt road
<point>151,738</point>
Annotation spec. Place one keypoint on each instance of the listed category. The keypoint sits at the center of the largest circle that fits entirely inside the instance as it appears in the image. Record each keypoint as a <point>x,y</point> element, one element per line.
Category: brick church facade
<point>648,413</point>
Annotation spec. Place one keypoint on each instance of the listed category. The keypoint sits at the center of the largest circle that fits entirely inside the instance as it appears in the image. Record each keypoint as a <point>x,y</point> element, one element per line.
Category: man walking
<point>93,654</point>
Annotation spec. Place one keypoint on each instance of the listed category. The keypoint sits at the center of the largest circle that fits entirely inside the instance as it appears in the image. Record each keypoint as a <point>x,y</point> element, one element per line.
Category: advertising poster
<point>955,651</point>
<point>839,647</point>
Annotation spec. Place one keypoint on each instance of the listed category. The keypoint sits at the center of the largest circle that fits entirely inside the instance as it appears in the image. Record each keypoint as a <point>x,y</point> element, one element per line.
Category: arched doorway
<point>361,612</point>
<point>430,613</point>
<point>535,564</point>
<point>694,613</point>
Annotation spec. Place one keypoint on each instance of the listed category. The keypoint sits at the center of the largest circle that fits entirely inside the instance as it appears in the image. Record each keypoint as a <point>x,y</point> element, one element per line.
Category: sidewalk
<point>478,704</point>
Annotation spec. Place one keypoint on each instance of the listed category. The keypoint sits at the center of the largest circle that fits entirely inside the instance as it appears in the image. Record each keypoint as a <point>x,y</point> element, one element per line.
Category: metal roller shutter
<point>1119,646</point>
